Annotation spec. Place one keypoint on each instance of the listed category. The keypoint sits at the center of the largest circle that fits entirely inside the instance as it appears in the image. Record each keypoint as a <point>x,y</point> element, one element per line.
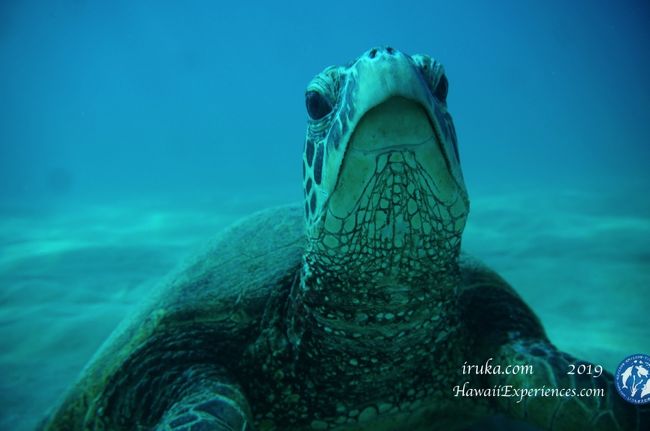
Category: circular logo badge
<point>633,379</point>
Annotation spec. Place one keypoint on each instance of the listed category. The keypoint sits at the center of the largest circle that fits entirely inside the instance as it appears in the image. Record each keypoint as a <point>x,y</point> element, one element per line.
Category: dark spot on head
<point>308,186</point>
<point>372,53</point>
<point>335,136</point>
<point>309,151</point>
<point>318,165</point>
<point>312,202</point>
<point>317,105</point>
<point>442,88</point>
<point>390,50</point>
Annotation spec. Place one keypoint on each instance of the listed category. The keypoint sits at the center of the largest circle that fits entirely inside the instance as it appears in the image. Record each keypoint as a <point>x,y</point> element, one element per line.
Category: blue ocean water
<point>131,131</point>
<point>108,100</point>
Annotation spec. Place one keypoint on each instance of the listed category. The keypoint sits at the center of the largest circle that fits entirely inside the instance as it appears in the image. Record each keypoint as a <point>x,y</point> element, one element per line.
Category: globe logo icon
<point>633,379</point>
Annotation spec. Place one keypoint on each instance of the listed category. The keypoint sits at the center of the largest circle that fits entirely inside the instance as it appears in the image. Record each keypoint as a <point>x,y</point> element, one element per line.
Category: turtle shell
<point>206,313</point>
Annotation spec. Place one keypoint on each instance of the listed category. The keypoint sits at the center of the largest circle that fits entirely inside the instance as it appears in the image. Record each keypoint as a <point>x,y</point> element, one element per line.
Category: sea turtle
<point>354,311</point>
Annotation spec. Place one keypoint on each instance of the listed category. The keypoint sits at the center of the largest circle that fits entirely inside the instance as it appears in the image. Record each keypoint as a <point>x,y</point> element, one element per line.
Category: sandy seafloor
<point>68,275</point>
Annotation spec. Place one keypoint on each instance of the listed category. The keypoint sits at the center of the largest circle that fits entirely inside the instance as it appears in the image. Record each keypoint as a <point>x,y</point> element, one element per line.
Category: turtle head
<point>382,177</point>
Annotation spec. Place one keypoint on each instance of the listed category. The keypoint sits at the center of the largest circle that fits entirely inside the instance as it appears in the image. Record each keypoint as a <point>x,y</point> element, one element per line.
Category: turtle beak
<point>396,126</point>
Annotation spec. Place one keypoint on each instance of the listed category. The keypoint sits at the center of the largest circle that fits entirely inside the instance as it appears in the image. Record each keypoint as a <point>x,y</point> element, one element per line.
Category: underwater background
<point>131,132</point>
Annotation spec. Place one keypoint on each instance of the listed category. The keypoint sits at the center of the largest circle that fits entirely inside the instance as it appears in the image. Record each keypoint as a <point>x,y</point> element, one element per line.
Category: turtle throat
<point>388,242</point>
<point>385,279</point>
<point>394,253</point>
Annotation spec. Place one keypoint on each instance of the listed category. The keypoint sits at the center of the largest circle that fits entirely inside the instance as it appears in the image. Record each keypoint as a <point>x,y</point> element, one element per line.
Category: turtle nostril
<point>373,53</point>
<point>390,50</point>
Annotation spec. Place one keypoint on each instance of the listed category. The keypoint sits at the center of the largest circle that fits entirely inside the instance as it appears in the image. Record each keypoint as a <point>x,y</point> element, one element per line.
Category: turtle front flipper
<point>208,407</point>
<point>547,390</point>
<point>553,396</point>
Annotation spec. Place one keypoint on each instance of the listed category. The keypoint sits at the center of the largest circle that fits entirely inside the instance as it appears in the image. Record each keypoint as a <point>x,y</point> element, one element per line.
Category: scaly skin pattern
<point>374,309</point>
<point>373,334</point>
<point>507,331</point>
<point>356,311</point>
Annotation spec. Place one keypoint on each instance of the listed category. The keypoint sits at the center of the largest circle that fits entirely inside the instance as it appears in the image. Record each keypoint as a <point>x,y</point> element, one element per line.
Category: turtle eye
<point>317,105</point>
<point>442,88</point>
